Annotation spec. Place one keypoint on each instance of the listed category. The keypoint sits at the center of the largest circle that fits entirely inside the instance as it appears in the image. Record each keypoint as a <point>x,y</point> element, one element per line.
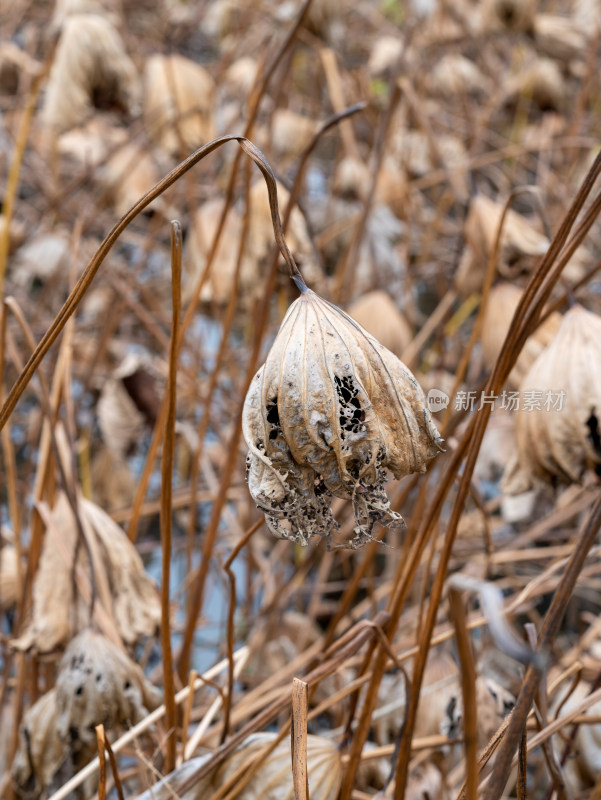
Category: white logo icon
<point>437,400</point>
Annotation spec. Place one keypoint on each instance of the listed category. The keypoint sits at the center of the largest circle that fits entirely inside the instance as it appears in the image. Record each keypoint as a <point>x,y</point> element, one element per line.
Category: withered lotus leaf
<point>328,414</point>
<point>98,683</point>
<point>558,433</point>
<point>272,779</point>
<point>41,755</point>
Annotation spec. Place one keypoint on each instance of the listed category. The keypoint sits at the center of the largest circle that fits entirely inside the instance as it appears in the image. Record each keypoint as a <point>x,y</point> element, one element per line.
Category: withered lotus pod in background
<point>328,414</point>
<point>558,434</point>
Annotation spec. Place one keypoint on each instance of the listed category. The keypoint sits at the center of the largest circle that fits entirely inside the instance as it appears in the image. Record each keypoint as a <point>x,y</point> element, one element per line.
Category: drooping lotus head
<point>328,414</point>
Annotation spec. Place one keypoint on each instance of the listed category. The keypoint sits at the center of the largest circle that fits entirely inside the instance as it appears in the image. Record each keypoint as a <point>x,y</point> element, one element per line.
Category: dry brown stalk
<point>166,504</point>
<point>101,763</point>
<point>468,686</point>
<point>298,734</point>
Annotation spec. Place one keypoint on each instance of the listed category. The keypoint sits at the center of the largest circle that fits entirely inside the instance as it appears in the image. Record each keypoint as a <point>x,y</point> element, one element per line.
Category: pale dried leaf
<point>42,761</point>
<point>111,9</point>
<point>240,76</point>
<point>60,609</point>
<point>259,244</point>
<point>273,779</point>
<point>521,244</point>
<point>588,14</point>
<point>518,507</point>
<point>260,234</point>
<point>90,144</point>
<point>16,233</point>
<point>560,440</point>
<point>385,54</point>
<point>275,644</point>
<point>113,484</point>
<point>178,103</point>
<point>425,782</point>
<point>352,178</point>
<point>440,709</point>
<point>378,314</point>
<point>498,446</point>
<point>456,74</point>
<point>219,285</point>
<point>98,683</point>
<point>45,257</point>
<point>128,175</point>
<point>291,133</point>
<point>8,576</point>
<point>581,771</point>
<point>502,303</point>
<point>542,82</point>
<point>136,605</point>
<point>560,37</point>
<point>121,423</point>
<point>90,59</point>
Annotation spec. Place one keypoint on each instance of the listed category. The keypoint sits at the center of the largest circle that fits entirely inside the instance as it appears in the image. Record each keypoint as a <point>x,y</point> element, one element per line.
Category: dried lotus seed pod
<point>328,414</point>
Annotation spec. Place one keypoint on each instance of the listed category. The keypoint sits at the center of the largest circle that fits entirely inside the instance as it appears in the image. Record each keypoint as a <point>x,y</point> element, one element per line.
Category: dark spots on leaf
<point>127,685</point>
<point>79,691</point>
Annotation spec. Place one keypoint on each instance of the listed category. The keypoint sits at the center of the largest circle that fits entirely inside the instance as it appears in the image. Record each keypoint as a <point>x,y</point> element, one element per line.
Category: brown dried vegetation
<point>437,181</point>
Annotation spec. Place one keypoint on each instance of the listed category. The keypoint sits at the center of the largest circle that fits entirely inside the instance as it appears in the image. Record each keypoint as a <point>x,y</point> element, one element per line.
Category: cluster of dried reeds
<point>156,639</point>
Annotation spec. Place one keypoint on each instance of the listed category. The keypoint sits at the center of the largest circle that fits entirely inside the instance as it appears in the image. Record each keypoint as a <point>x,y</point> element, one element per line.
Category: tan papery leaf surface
<point>273,778</point>
<point>61,608</point>
<point>178,103</point>
<point>98,683</point>
<point>42,761</point>
<point>520,244</point>
<point>501,306</point>
<point>90,60</point>
<point>8,575</point>
<point>377,313</point>
<point>559,439</point>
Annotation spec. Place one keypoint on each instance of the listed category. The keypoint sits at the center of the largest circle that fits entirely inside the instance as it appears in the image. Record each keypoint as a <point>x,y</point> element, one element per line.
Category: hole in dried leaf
<point>592,424</point>
<point>272,412</point>
<point>351,413</point>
